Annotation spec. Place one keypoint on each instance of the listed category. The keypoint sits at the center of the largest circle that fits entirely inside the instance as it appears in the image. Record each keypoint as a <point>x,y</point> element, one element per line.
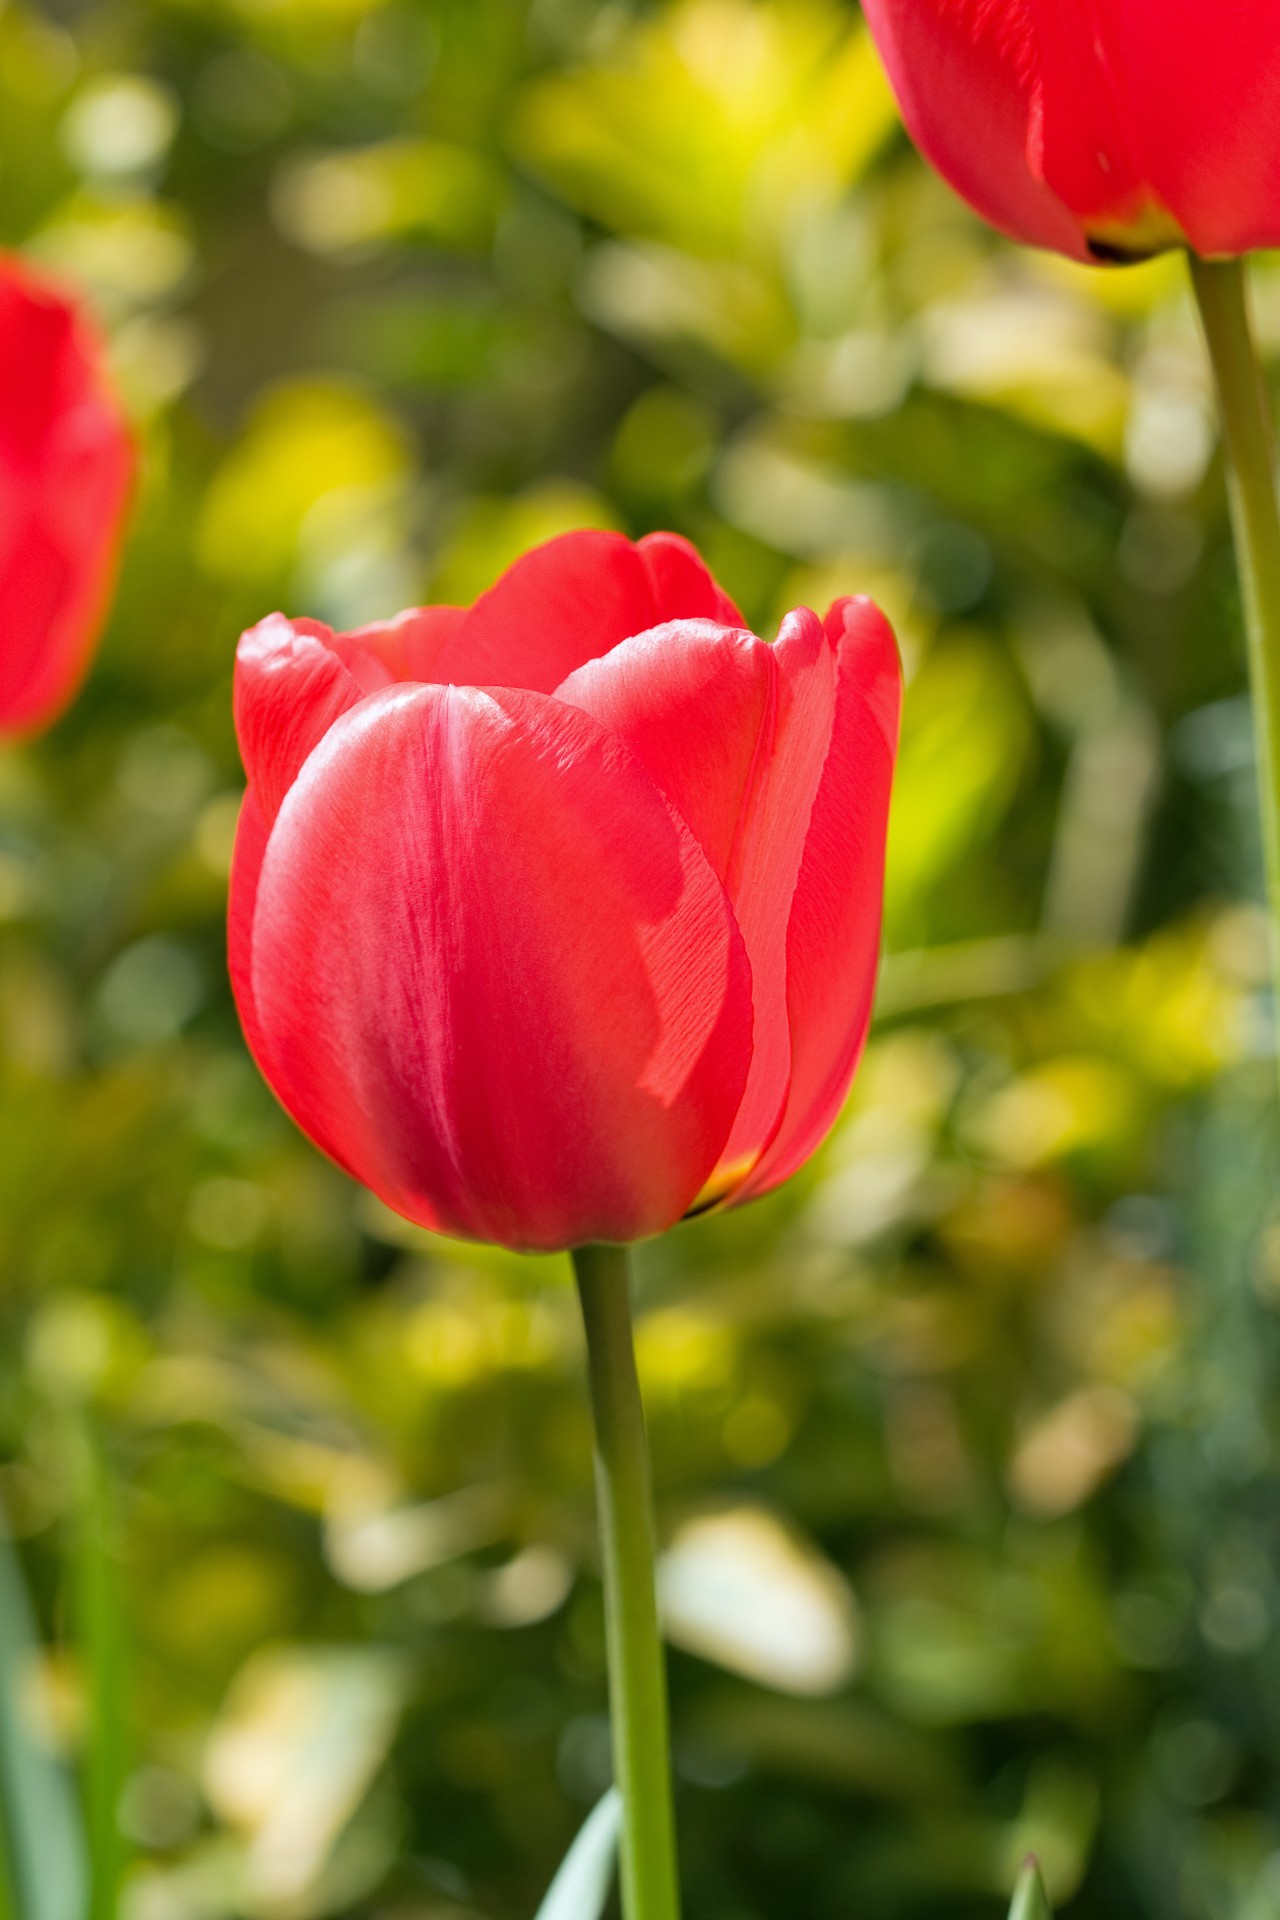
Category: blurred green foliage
<point>966,1442</point>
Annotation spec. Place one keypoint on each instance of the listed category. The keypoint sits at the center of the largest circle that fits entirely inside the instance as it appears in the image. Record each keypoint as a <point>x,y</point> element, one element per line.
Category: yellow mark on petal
<point>1149,228</point>
<point>724,1182</point>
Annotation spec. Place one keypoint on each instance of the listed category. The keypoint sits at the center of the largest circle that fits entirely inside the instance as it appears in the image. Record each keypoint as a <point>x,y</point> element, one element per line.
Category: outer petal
<point>1203,90</point>
<point>66,463</point>
<point>736,734</point>
<point>571,600</point>
<point>833,939</point>
<point>294,678</point>
<point>495,974</point>
<point>1082,138</point>
<point>291,684</point>
<point>252,832</point>
<point>692,700</point>
<point>966,74</point>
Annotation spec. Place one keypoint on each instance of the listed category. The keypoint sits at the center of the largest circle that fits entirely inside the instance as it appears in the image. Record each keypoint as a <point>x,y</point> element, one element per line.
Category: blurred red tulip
<point>66,460</point>
<point>1103,128</point>
<point>558,917</point>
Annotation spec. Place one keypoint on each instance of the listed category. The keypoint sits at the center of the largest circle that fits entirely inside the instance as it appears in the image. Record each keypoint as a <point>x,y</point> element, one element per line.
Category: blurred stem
<point>46,1867</point>
<point>1221,291</point>
<point>8,1890</point>
<point>637,1677</point>
<point>100,1624</point>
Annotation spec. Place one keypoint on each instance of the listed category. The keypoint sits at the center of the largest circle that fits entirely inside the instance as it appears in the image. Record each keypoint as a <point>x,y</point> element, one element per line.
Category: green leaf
<point>581,1886</point>
<point>43,1842</point>
<point>1030,1901</point>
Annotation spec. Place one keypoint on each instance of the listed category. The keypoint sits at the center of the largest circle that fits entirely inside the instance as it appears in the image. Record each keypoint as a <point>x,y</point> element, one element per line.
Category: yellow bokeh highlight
<point>307,441</point>
<point>713,121</point>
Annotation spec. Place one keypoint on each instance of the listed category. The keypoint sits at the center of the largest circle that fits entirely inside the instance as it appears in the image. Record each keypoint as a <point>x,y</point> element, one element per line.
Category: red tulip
<point>557,917</point>
<point>66,461</point>
<point>1102,128</point>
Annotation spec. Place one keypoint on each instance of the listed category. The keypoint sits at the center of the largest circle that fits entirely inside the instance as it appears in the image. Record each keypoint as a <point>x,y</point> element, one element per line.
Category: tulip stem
<point>637,1677</point>
<point>1221,291</point>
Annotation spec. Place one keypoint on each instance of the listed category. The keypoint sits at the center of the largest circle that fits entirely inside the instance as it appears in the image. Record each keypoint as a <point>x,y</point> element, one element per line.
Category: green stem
<point>1222,295</point>
<point>637,1678</point>
<point>101,1636</point>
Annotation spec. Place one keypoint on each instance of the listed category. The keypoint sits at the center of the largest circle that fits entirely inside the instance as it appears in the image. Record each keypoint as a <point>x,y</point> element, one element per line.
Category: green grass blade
<point>43,1843</point>
<point>8,1908</point>
<point>581,1886</point>
<point>1030,1900</point>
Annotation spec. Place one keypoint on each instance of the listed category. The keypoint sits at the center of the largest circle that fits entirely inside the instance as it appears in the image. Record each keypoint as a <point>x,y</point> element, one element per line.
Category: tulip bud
<point>1106,129</point>
<point>66,460</point>
<point>556,918</point>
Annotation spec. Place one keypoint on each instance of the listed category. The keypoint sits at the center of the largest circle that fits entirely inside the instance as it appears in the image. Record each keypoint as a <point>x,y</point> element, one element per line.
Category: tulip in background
<point>66,462</point>
<point>556,919</point>
<point>1113,129</point>
<point>1102,128</point>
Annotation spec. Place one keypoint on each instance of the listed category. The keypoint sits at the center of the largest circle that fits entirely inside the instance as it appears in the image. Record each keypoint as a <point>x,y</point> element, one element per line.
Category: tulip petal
<point>735,733</point>
<point>290,686</point>
<point>410,645</point>
<point>253,830</point>
<point>295,677</point>
<point>1204,97</point>
<point>581,593</point>
<point>569,601</point>
<point>33,589</point>
<point>1111,127</point>
<point>496,975</point>
<point>66,464</point>
<point>691,700</point>
<point>833,939</point>
<point>682,587</point>
<point>1082,138</point>
<point>967,77</point>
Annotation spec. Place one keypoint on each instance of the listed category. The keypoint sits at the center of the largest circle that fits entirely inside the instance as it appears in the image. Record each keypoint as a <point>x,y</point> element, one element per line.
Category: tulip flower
<point>556,918</point>
<point>1109,130</point>
<point>1105,129</point>
<point>66,461</point>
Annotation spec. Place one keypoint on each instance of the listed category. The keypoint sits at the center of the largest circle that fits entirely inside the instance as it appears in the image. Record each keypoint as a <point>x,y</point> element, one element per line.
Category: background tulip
<point>65,465</point>
<point>1106,129</point>
<point>1110,130</point>
<point>555,918</point>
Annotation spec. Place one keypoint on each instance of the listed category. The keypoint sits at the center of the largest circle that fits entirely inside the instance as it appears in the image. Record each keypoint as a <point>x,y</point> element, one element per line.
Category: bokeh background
<point>967,1442</point>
